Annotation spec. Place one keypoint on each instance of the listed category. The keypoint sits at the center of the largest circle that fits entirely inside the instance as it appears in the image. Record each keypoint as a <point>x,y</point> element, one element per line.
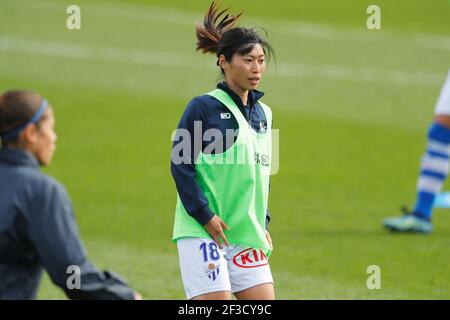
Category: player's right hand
<point>215,228</point>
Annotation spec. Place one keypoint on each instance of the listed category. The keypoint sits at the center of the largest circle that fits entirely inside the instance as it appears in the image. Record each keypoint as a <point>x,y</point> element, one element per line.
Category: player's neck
<point>242,93</point>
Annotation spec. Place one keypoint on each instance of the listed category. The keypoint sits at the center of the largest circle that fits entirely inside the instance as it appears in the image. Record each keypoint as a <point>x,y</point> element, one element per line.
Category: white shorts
<point>206,268</point>
<point>443,104</point>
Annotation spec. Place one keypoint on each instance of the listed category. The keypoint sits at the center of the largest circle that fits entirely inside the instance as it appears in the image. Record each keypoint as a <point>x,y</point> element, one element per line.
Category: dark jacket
<point>38,231</point>
<point>210,112</point>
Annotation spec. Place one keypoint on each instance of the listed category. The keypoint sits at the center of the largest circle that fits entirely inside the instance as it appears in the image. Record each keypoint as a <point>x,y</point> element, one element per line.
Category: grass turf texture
<point>352,132</point>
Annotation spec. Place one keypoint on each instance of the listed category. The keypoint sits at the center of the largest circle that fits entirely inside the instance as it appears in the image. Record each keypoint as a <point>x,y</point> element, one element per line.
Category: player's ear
<point>222,62</point>
<point>30,134</point>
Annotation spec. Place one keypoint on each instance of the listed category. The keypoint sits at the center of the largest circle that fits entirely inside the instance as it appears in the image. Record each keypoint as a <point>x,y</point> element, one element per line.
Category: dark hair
<point>222,38</point>
<point>17,107</point>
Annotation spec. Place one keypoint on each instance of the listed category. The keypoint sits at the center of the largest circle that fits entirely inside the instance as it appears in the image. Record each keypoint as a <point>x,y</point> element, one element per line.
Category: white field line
<point>189,18</point>
<point>166,59</point>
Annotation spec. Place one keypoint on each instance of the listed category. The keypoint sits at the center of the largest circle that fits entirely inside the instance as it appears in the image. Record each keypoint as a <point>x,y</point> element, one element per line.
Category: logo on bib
<point>225,116</point>
<point>250,258</point>
<point>262,159</point>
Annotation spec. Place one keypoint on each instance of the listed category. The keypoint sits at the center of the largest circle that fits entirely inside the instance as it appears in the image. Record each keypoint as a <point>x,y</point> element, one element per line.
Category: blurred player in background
<point>433,171</point>
<point>37,225</point>
<point>221,214</point>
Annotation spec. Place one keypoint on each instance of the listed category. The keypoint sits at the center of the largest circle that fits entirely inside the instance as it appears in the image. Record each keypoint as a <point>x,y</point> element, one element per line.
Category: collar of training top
<point>253,95</point>
<point>18,157</point>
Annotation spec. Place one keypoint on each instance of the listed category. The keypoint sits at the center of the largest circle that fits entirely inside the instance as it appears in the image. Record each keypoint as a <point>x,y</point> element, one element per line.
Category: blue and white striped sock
<point>433,170</point>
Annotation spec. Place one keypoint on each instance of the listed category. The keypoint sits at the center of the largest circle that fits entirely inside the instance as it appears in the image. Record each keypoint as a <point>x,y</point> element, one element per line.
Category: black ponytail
<point>223,38</point>
<point>210,33</point>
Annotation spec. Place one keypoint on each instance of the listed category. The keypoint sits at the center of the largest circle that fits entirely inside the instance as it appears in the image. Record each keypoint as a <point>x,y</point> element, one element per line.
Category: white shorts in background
<point>443,103</point>
<point>206,268</point>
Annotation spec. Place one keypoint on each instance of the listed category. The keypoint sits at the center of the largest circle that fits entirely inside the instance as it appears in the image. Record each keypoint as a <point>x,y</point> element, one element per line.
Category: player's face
<point>246,71</point>
<point>45,143</point>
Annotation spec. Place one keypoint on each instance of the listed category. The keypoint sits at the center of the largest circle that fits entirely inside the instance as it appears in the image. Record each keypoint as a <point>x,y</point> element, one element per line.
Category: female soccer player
<point>222,172</point>
<point>37,227</point>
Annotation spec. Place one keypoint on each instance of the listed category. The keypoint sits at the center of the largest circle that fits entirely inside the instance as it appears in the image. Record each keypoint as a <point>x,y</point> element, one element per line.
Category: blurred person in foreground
<point>37,225</point>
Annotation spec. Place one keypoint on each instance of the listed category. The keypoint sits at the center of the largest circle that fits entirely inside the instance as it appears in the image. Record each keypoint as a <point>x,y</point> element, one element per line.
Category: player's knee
<point>219,295</point>
<point>263,291</point>
<point>443,120</point>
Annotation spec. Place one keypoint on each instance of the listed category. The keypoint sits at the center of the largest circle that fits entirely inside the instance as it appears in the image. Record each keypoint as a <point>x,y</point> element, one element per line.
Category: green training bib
<point>236,184</point>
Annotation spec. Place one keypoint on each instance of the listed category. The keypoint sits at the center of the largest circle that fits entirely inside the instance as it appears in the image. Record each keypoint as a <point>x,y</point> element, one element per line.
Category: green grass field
<point>352,106</point>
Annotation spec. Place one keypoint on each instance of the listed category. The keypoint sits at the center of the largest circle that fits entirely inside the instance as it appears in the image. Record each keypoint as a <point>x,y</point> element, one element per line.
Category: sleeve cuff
<point>203,215</point>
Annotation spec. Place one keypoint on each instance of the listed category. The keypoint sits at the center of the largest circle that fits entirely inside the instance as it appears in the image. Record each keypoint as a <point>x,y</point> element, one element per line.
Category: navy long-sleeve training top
<point>38,231</point>
<point>212,114</point>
